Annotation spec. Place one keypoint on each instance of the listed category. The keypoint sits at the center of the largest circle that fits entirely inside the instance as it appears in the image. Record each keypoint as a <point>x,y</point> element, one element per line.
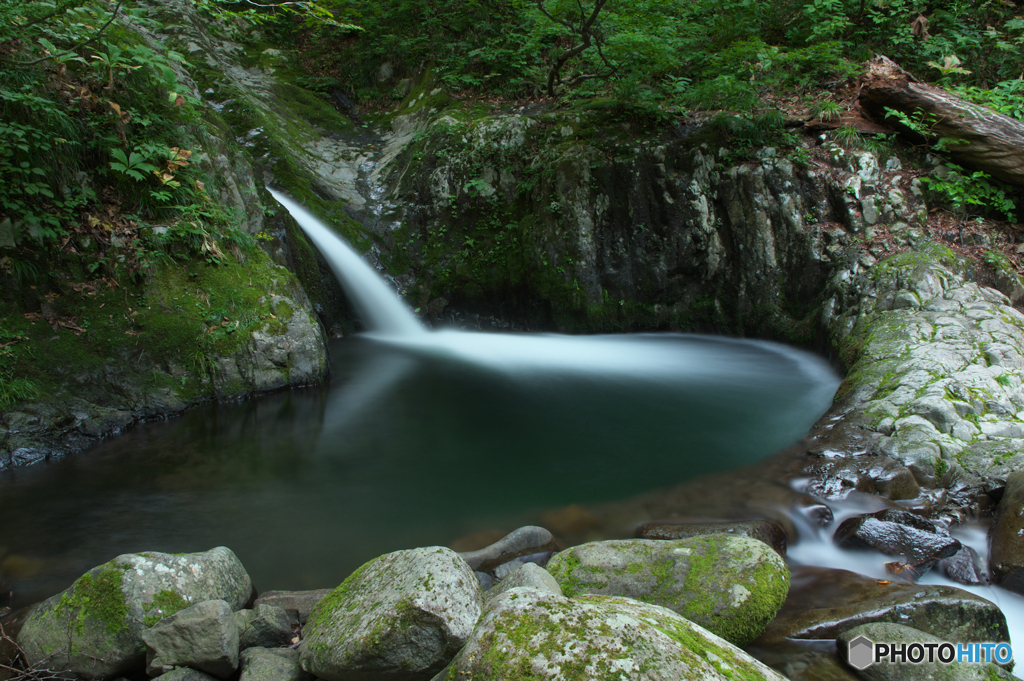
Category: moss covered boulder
<point>731,585</point>
<point>94,628</point>
<point>531,634</point>
<point>402,615</point>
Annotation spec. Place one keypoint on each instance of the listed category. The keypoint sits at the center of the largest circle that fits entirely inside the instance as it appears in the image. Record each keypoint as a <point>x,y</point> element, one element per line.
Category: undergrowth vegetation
<point>102,138</point>
<point>742,65</point>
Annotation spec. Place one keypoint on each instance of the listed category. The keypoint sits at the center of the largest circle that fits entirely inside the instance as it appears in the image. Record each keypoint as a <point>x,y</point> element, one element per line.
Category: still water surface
<point>413,443</point>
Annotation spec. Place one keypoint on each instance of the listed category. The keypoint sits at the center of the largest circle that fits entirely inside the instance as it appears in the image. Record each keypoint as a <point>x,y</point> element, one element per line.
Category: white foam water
<point>815,547</point>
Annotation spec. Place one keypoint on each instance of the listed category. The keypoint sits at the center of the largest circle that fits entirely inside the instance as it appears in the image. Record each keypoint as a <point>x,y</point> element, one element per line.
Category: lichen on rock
<point>728,584</point>
<point>530,634</point>
<point>94,628</point>
<point>408,611</point>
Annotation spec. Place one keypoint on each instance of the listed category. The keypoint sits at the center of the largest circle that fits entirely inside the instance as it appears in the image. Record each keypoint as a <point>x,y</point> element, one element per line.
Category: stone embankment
<point>625,609</point>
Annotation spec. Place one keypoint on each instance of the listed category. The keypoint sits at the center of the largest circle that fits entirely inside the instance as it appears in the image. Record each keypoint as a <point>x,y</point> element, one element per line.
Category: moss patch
<point>164,604</point>
<point>95,598</point>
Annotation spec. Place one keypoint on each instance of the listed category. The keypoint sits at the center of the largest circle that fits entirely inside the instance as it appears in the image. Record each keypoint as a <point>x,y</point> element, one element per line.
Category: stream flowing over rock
<point>94,628</point>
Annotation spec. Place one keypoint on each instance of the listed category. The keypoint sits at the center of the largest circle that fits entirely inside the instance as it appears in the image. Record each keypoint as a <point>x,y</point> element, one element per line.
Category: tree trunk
<point>983,139</point>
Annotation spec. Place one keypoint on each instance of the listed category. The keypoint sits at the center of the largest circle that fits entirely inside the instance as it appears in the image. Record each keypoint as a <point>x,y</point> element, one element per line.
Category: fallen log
<point>976,136</point>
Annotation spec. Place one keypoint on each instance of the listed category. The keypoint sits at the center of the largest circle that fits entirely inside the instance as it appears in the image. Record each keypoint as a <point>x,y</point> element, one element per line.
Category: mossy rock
<point>94,628</point>
<point>402,615</point>
<point>531,634</point>
<point>731,585</point>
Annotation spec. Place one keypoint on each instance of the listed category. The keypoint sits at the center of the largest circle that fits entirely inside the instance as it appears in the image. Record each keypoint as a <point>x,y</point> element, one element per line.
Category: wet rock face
<point>405,614</point>
<point>823,603</point>
<point>900,534</point>
<point>594,637</point>
<point>667,225</point>
<point>964,566</point>
<point>937,374</point>
<point>264,626</point>
<point>730,585</point>
<point>836,479</point>
<point>1006,556</point>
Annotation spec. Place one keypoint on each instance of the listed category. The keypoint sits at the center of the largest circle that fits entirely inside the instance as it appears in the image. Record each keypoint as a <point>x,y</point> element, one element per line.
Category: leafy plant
<point>133,165</point>
<point>978,189</point>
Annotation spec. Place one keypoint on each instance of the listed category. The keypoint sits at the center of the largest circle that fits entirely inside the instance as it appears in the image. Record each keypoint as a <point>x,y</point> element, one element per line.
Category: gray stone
<point>964,567</point>
<point>825,602</point>
<point>900,534</point>
<point>837,478</point>
<point>855,645</point>
<point>529,575</point>
<point>521,542</point>
<point>265,626</point>
<point>594,637</point>
<point>277,664</point>
<point>202,637</point>
<point>297,604</point>
<point>941,412</point>
<point>109,607</point>
<point>407,611</point>
<point>730,585</point>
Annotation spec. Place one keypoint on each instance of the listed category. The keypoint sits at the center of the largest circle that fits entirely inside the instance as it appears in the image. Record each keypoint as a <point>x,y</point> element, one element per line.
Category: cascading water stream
<point>720,372</point>
<point>379,307</point>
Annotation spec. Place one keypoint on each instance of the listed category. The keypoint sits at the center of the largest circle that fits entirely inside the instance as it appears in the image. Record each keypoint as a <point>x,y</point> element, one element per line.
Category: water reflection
<point>414,443</point>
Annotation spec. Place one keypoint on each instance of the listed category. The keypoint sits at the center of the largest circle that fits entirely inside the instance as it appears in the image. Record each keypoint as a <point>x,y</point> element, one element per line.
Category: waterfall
<point>775,391</point>
<point>381,310</point>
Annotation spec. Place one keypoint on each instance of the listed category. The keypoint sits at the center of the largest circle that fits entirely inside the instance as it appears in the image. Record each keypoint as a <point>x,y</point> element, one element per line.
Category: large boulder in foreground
<point>730,585</point>
<point>405,614</point>
<point>531,634</point>
<point>94,628</point>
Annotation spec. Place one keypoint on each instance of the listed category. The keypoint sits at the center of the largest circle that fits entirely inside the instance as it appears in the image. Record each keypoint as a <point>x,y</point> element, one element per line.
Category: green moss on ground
<point>182,313</point>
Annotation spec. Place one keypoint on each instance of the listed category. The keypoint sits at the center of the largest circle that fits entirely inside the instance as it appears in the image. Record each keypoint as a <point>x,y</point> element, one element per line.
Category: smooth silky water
<point>420,437</point>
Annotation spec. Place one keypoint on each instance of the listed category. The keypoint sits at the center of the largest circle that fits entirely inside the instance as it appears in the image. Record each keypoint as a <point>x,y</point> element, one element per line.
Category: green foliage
<point>1006,97</point>
<point>974,193</point>
<point>94,139</point>
<point>132,165</point>
<point>270,12</point>
<point>13,388</point>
